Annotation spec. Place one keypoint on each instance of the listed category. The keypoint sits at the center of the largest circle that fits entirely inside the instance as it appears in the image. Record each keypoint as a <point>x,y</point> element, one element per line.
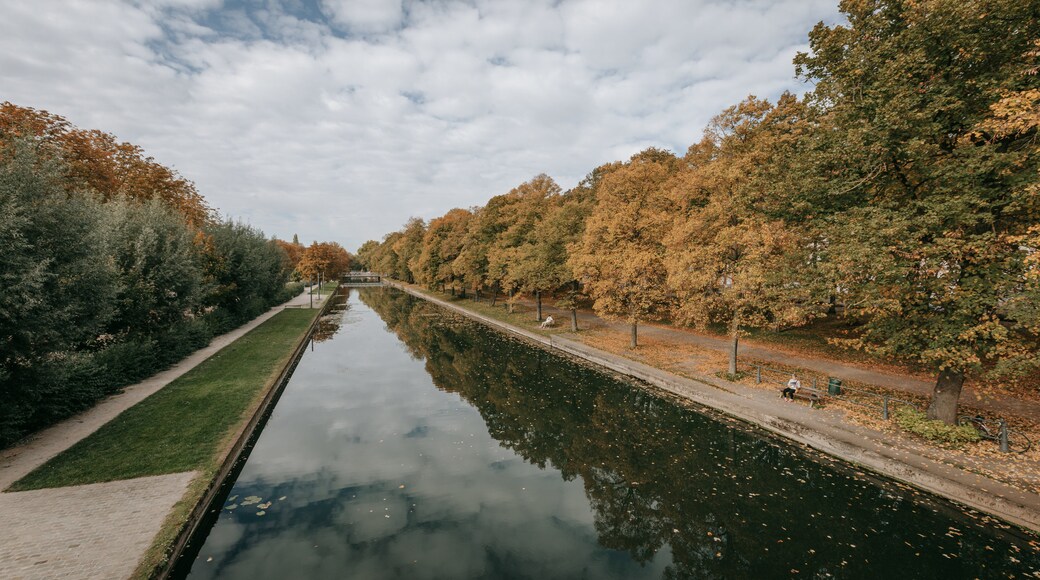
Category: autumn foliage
<point>96,161</point>
<point>901,193</point>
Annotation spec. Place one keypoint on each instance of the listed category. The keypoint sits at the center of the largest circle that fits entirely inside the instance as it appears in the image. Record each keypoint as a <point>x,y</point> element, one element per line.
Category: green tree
<point>366,255</point>
<point>922,218</point>
<point>56,284</point>
<point>158,264</point>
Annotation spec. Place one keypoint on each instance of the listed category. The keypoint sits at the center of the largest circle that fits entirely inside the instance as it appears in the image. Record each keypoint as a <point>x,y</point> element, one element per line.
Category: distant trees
<point>324,260</point>
<point>112,268</point>
<point>901,192</point>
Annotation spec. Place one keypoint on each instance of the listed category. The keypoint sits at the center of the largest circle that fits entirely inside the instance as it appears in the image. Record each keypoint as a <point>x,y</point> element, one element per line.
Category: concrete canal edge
<point>850,443</point>
<point>235,454</point>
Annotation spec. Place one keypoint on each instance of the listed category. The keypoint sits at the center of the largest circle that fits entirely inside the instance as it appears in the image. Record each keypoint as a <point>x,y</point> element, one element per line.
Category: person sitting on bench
<point>548,322</point>
<point>792,387</point>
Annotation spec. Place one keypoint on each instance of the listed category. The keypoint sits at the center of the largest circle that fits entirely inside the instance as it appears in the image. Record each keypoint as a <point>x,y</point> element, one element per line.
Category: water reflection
<point>329,323</point>
<point>521,464</point>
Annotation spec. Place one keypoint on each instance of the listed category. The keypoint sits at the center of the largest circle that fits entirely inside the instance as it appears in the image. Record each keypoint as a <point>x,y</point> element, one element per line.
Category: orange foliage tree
<point>95,161</point>
<point>327,259</point>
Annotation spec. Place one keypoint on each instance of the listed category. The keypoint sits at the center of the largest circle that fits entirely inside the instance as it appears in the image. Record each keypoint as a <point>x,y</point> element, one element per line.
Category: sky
<point>337,120</point>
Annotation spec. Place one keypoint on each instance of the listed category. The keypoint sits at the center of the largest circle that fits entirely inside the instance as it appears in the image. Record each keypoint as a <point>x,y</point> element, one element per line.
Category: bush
<point>128,361</point>
<point>291,290</point>
<point>946,435</point>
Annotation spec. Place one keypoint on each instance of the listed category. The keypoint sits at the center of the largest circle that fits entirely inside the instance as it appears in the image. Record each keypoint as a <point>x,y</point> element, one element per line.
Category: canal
<point>412,443</point>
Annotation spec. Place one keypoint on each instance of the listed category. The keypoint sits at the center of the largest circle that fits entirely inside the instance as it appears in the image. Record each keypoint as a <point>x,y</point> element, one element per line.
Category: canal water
<point>412,443</point>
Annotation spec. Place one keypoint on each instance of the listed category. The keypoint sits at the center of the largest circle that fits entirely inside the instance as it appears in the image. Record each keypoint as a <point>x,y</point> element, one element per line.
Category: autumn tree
<point>440,246</point>
<point>324,260</point>
<point>620,259</point>
<point>727,262</point>
<point>95,161</point>
<point>407,249</point>
<point>293,253</point>
<point>542,260</point>
<point>925,220</point>
<point>513,259</point>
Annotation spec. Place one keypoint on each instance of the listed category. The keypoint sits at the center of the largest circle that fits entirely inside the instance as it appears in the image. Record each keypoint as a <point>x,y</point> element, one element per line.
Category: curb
<point>832,438</point>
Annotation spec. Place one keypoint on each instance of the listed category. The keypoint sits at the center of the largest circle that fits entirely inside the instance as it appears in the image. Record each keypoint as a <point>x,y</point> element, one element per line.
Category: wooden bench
<point>810,394</point>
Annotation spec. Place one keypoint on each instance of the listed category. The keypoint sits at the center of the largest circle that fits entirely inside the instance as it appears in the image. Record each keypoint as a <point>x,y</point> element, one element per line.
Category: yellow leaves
<point>1016,113</point>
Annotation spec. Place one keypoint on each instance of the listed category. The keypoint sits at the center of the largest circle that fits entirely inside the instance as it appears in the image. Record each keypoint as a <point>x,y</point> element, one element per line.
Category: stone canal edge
<point>866,448</point>
<point>235,456</point>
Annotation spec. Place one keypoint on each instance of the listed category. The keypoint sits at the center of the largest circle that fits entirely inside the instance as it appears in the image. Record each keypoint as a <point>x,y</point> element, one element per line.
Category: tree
<point>440,245</point>
<point>293,253</point>
<point>924,219</point>
<point>408,247</point>
<point>158,264</point>
<point>324,260</point>
<point>95,161</point>
<point>620,259</point>
<point>727,262</point>
<point>246,273</point>
<point>56,284</point>
<point>513,259</point>
<point>366,255</point>
<point>542,262</point>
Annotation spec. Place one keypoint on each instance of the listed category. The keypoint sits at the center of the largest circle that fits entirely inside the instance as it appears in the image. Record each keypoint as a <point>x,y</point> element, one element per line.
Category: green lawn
<point>186,425</point>
<point>326,288</point>
<point>523,315</point>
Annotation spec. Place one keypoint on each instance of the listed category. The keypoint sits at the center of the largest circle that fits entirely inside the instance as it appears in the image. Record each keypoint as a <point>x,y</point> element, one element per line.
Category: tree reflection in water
<point>728,502</point>
<point>329,323</point>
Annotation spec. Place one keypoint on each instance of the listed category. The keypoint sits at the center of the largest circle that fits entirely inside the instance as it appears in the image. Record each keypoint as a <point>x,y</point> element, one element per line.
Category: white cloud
<point>365,15</point>
<point>342,122</point>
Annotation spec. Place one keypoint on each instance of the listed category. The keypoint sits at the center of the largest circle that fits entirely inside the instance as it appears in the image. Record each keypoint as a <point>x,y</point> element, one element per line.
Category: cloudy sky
<point>339,119</point>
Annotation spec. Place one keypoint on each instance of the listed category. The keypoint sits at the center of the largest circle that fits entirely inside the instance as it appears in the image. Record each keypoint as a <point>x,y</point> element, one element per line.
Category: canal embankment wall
<point>236,455</point>
<point>824,432</point>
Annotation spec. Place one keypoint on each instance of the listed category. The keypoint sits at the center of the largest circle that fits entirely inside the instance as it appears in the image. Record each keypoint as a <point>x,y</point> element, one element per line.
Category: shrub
<point>946,435</point>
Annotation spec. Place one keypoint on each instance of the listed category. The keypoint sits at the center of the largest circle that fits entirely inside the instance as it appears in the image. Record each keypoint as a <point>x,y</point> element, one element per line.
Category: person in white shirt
<point>792,387</point>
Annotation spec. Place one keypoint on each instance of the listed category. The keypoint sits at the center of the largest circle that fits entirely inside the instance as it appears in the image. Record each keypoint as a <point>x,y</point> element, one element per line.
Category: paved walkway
<point>994,402</point>
<point>87,531</point>
<point>98,530</point>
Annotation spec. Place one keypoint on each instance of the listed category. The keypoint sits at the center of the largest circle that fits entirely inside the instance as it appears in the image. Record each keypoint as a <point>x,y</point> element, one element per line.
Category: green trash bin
<point>833,386</point>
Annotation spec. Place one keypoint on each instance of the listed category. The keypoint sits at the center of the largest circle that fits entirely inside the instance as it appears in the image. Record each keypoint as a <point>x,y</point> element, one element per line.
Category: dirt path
<point>995,403</point>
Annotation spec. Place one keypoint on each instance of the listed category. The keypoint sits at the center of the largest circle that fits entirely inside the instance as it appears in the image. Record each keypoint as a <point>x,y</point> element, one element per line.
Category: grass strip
<point>183,426</point>
<point>326,288</point>
<point>522,315</point>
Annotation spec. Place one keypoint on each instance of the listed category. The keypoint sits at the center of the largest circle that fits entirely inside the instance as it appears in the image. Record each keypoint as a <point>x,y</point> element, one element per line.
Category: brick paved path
<point>98,530</point>
<point>87,531</point>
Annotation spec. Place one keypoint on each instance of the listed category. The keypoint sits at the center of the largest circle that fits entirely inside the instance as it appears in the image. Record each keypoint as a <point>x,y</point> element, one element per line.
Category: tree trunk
<point>734,331</point>
<point>510,301</point>
<point>462,293</point>
<point>538,300</point>
<point>494,296</point>
<point>476,294</point>
<point>574,320</point>
<point>634,343</point>
<point>945,396</point>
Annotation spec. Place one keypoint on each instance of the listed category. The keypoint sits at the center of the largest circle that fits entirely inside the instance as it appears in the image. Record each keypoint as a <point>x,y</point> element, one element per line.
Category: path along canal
<point>412,443</point>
